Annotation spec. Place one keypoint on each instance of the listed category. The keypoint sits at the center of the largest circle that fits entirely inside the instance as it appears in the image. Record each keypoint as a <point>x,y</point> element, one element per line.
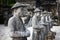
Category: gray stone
<point>15,23</point>
<point>18,4</point>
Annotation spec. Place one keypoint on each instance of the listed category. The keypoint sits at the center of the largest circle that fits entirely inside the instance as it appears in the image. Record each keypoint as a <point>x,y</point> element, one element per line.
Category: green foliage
<point>7,2</point>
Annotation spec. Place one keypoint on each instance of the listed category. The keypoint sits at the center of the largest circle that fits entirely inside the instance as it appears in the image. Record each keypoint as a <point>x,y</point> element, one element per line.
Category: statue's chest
<point>23,19</point>
<point>38,18</point>
<point>19,24</point>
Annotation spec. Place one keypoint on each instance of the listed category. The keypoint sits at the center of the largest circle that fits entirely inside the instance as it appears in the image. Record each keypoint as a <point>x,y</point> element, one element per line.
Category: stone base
<point>20,38</point>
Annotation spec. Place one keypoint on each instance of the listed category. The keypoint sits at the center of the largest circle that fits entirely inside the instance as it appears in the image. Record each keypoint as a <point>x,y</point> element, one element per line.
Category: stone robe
<point>36,28</point>
<point>17,29</point>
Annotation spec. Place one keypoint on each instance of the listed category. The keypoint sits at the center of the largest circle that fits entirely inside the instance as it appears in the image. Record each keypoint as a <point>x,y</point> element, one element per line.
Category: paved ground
<point>4,33</point>
<point>57,30</point>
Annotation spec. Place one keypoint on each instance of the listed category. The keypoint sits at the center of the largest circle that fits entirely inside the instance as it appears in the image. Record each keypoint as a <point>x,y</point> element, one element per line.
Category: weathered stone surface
<point>4,33</point>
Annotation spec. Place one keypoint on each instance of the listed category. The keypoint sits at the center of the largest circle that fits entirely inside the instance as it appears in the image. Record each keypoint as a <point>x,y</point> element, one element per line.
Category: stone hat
<point>17,4</point>
<point>37,10</point>
<point>44,12</point>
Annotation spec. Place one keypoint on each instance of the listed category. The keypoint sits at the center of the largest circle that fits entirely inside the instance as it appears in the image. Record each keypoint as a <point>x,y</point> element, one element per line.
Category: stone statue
<point>18,30</point>
<point>46,22</point>
<point>41,23</point>
<point>34,22</point>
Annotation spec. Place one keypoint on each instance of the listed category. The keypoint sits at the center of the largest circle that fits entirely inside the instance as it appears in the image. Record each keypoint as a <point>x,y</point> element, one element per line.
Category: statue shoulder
<point>11,19</point>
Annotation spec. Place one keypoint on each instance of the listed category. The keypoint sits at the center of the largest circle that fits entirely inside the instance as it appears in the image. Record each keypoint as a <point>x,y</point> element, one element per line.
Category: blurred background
<point>49,5</point>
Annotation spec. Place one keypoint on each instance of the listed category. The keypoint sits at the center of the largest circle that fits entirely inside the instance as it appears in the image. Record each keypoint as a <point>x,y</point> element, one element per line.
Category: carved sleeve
<point>22,33</point>
<point>11,26</point>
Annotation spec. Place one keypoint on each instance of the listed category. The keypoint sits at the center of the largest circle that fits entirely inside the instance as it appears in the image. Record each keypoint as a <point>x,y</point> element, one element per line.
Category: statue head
<point>37,12</point>
<point>19,9</point>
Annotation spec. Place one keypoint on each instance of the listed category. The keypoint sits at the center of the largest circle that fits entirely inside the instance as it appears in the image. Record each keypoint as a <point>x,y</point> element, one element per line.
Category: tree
<point>7,2</point>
